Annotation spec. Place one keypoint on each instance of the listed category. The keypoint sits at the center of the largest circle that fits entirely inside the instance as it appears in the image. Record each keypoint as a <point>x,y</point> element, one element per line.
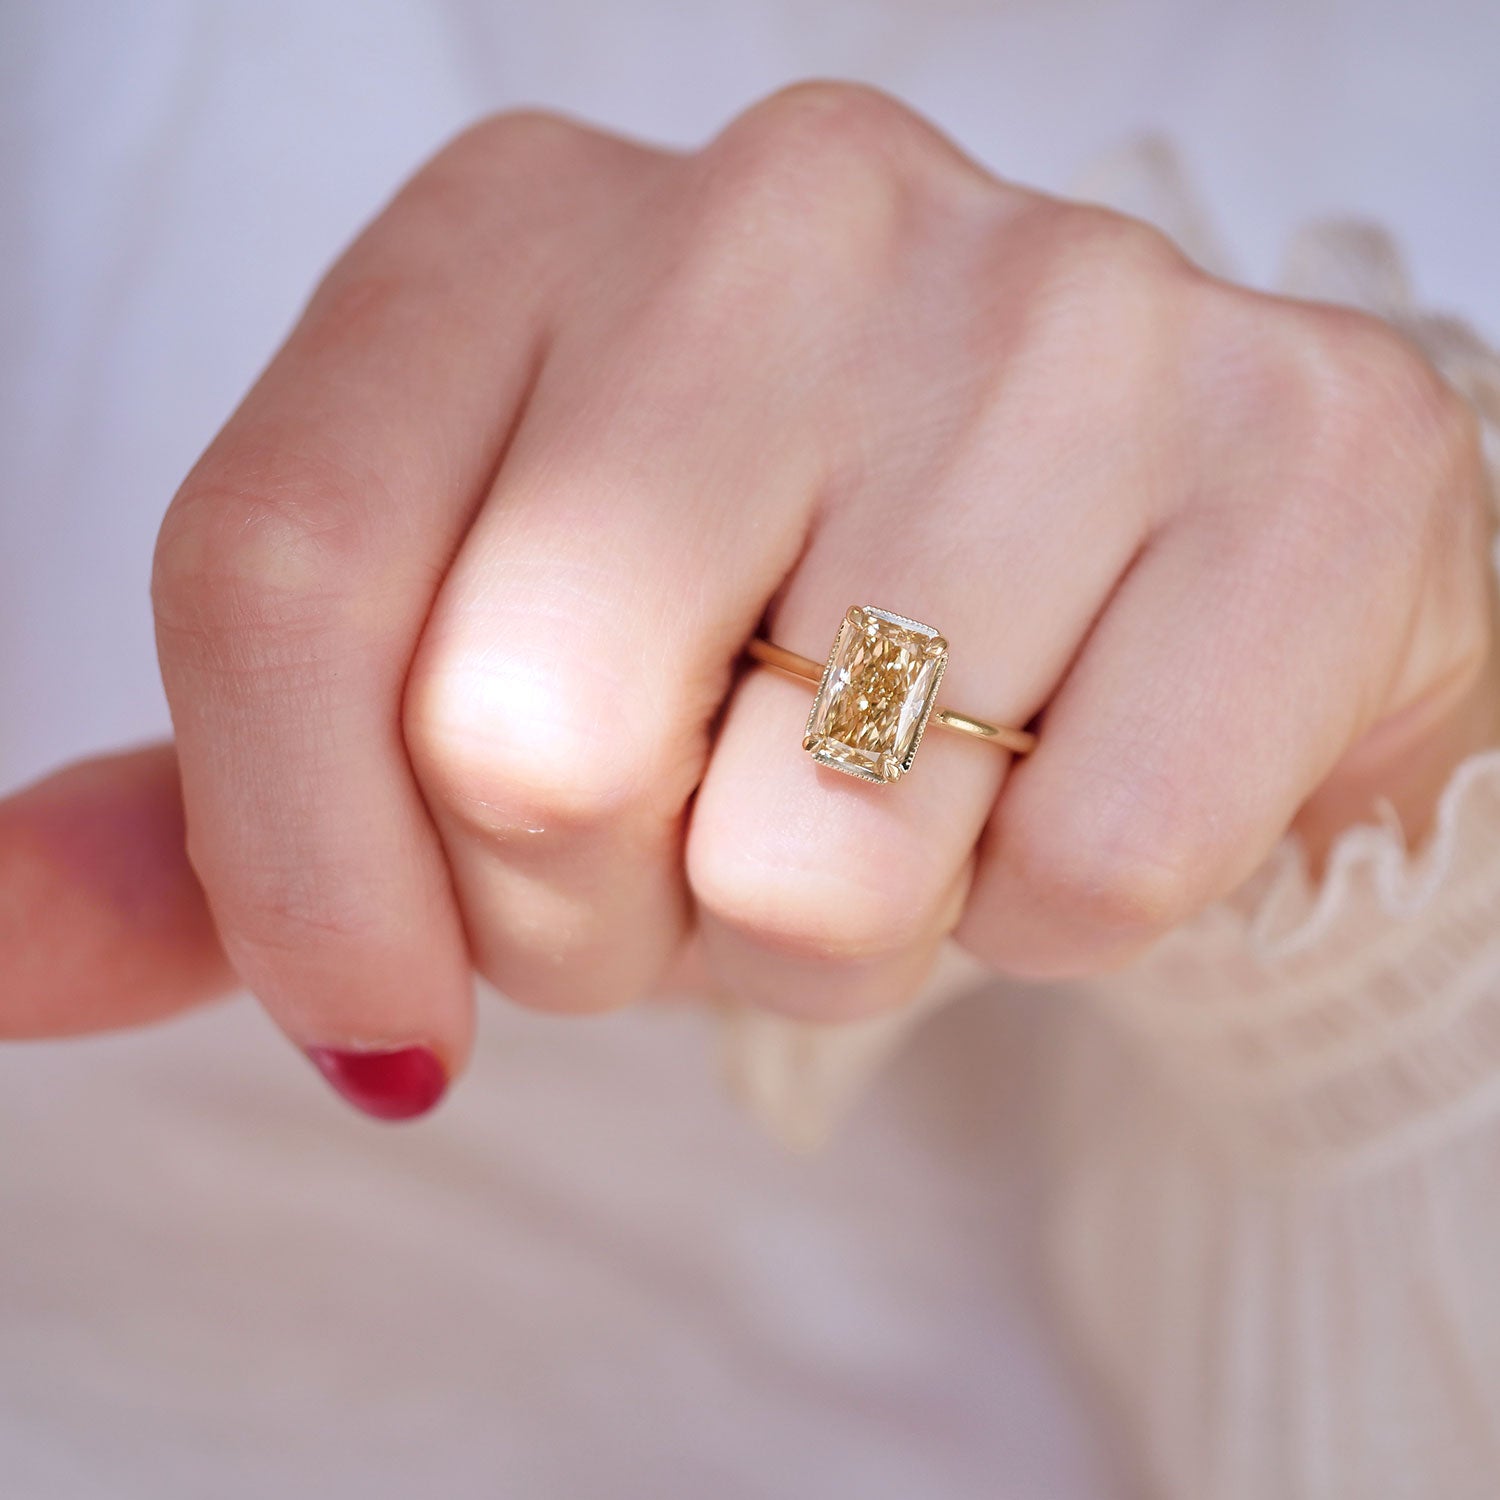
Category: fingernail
<point>394,1085</point>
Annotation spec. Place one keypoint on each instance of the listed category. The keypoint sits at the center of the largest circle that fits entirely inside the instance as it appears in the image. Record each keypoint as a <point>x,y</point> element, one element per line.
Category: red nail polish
<point>395,1085</point>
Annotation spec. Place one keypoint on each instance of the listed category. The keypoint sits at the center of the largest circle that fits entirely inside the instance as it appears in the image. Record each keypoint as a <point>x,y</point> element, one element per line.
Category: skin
<point>450,614</point>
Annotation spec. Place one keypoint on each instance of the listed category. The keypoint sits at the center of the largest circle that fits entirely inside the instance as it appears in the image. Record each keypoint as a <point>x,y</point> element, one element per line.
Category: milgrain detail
<point>876,695</point>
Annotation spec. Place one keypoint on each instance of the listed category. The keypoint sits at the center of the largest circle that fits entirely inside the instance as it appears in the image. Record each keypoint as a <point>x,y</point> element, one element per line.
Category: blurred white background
<point>588,1276</point>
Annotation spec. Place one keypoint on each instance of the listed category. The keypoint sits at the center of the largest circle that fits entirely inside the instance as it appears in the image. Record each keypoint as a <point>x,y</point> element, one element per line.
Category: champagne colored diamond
<point>876,695</point>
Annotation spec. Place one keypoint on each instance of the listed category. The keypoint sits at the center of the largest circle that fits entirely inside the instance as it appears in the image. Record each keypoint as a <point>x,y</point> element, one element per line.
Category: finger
<point>293,574</point>
<point>1006,529</point>
<point>560,709</point>
<point>825,897</point>
<point>1243,656</point>
<point>102,922</point>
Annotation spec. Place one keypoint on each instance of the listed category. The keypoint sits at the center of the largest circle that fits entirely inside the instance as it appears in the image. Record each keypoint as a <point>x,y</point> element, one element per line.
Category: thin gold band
<point>1019,741</point>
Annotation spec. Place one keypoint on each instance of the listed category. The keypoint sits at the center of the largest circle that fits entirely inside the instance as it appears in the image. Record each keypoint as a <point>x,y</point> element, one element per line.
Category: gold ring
<point>876,694</point>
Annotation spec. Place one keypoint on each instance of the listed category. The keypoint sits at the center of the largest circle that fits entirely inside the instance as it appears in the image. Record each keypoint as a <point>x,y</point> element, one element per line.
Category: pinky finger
<point>102,922</point>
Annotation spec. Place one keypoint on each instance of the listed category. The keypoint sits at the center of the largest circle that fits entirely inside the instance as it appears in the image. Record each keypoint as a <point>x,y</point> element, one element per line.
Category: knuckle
<point>824,123</point>
<point>509,195</point>
<point>532,152</point>
<point>1360,432</point>
<point>813,179</point>
<point>1099,244</point>
<point>1107,282</point>
<point>511,753</point>
<point>1353,394</point>
<point>812,202</point>
<point>1369,381</point>
<point>267,547</point>
<point>805,916</point>
<point>1384,454</point>
<point>1119,890</point>
<point>527,134</point>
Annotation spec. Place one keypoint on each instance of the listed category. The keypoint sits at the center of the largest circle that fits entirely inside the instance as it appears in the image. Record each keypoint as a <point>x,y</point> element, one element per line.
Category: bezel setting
<point>876,695</point>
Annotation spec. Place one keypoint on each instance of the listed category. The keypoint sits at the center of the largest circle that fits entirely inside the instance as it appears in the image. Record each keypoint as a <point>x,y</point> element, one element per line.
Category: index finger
<point>294,573</point>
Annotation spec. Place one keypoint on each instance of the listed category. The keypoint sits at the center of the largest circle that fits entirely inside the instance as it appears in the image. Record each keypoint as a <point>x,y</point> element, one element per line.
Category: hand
<point>451,612</point>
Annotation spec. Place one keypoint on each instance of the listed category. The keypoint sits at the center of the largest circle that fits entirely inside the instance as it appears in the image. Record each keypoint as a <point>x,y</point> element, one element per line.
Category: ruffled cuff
<point>1350,1016</point>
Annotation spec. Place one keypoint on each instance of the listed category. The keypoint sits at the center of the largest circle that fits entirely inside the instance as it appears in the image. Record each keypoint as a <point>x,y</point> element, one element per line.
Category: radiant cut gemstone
<point>877,692</point>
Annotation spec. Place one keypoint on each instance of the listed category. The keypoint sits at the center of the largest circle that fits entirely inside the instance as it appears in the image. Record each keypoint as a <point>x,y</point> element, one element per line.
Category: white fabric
<point>589,1275</point>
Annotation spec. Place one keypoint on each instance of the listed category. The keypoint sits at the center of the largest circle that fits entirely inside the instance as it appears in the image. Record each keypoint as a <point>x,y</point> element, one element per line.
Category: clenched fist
<point>452,615</point>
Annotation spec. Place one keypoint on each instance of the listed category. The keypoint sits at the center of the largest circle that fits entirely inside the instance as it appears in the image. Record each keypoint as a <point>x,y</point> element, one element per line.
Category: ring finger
<point>823,896</point>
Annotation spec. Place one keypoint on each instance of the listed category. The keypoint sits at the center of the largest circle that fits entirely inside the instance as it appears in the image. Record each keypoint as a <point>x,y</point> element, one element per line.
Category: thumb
<point>102,922</point>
